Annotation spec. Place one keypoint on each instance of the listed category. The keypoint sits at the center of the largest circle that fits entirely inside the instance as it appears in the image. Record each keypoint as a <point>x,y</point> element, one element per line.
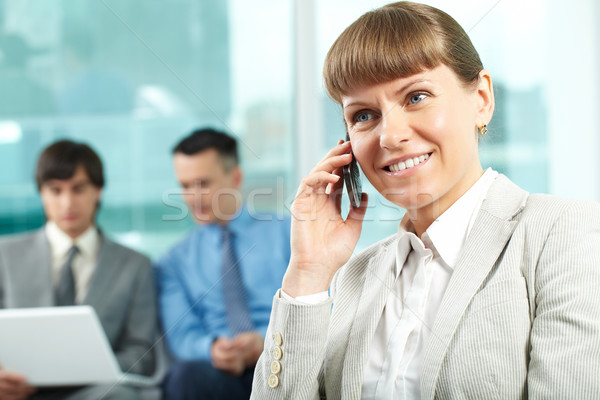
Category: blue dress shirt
<point>191,299</point>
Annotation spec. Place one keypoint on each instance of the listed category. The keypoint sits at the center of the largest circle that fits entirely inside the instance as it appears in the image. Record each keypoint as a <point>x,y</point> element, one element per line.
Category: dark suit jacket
<point>121,291</point>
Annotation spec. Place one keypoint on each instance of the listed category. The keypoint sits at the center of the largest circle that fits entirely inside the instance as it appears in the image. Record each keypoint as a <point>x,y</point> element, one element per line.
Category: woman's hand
<point>321,240</point>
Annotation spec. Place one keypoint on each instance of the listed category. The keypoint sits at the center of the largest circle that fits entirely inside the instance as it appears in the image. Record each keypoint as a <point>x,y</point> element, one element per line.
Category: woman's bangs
<point>368,53</point>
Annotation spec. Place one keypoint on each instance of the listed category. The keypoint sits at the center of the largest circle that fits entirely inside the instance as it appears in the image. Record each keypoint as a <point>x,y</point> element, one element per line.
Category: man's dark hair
<point>61,159</point>
<point>207,138</point>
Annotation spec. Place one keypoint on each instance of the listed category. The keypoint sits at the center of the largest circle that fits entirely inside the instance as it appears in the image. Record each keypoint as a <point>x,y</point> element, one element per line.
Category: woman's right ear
<point>485,97</point>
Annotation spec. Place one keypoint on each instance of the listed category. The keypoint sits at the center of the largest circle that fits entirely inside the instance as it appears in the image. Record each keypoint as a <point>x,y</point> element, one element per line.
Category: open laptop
<point>60,346</point>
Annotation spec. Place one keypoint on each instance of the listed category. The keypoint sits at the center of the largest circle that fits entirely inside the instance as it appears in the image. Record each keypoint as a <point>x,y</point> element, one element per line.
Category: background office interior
<point>131,77</point>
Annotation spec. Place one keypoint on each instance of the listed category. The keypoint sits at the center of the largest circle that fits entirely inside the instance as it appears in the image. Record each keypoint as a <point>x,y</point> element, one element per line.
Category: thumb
<point>357,215</point>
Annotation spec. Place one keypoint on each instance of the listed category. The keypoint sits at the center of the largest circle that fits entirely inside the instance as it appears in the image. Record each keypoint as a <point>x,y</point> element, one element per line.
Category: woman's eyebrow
<point>404,88</point>
<point>355,104</point>
<point>410,84</point>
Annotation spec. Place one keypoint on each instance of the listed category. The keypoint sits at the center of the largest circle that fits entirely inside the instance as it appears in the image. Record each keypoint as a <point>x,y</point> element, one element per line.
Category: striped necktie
<point>236,300</point>
<point>65,288</point>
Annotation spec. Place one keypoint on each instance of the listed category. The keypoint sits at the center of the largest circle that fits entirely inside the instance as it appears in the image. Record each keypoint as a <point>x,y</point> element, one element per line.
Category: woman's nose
<point>395,130</point>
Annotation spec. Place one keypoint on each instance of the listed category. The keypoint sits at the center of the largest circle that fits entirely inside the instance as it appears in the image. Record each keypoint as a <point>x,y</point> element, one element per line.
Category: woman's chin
<point>409,200</point>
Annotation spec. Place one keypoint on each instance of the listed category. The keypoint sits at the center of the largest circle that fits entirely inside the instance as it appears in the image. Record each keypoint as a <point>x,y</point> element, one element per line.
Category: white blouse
<point>423,269</point>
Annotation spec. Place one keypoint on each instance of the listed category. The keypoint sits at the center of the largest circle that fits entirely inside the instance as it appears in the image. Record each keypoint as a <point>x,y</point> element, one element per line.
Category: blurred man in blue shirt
<point>216,286</point>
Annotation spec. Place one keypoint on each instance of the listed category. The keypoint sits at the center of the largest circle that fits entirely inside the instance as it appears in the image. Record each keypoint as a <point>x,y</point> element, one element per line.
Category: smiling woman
<point>486,291</point>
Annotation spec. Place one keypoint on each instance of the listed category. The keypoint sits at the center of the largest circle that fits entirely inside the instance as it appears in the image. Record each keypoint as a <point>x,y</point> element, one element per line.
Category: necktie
<point>65,288</point>
<point>236,302</point>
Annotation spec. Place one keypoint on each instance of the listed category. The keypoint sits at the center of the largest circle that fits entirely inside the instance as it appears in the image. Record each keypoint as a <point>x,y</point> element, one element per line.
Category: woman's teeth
<point>408,163</point>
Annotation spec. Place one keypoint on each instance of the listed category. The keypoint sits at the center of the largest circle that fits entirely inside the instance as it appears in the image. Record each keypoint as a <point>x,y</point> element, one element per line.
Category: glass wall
<point>131,77</point>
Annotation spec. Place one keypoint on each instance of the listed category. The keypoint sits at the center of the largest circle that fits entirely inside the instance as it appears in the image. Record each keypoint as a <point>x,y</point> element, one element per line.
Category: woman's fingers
<point>332,188</point>
<point>337,157</point>
<point>337,188</point>
<point>330,163</point>
<point>315,181</point>
<point>338,150</point>
<point>341,148</point>
<point>317,223</point>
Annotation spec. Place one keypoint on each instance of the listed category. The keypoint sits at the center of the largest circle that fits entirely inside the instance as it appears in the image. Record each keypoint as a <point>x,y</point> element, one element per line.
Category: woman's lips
<point>407,163</point>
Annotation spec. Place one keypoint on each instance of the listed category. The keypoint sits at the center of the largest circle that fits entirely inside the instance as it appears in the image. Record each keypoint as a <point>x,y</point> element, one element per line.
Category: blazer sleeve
<point>565,336</point>
<point>295,339</point>
<point>135,353</point>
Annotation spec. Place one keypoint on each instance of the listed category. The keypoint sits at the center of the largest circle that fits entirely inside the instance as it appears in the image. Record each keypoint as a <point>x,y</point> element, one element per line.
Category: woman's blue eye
<point>415,98</point>
<point>363,117</point>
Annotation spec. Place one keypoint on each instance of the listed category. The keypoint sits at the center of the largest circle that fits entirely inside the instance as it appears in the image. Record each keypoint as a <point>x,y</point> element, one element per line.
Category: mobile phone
<point>352,180</point>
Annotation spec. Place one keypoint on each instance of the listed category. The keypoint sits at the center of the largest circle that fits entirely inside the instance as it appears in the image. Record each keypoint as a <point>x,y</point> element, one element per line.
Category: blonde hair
<point>396,41</point>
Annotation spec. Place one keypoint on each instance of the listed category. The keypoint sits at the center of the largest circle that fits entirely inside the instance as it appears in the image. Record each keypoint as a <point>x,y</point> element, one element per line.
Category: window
<point>132,77</point>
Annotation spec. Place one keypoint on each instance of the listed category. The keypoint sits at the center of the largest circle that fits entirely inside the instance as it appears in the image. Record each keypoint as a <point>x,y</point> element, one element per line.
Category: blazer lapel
<point>39,292</point>
<point>379,279</point>
<point>491,231</point>
<point>105,272</point>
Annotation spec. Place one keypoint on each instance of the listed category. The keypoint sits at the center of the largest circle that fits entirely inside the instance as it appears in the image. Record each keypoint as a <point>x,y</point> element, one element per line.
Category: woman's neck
<point>422,217</point>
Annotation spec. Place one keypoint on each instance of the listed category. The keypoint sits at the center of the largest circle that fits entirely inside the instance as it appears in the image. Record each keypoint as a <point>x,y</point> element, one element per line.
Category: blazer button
<point>275,367</point>
<point>277,353</point>
<point>273,381</point>
<point>278,339</point>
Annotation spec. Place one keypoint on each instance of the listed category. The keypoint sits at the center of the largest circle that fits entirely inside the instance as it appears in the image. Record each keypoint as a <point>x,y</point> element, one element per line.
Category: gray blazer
<point>520,316</point>
<point>121,291</point>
